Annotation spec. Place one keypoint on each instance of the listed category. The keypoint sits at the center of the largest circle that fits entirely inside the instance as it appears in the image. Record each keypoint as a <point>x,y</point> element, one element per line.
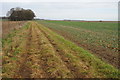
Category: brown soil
<point>24,68</point>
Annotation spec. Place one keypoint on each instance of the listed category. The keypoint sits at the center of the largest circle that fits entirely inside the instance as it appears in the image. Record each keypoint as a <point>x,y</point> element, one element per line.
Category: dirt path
<point>42,58</point>
<point>38,57</point>
<point>24,67</point>
<point>29,63</point>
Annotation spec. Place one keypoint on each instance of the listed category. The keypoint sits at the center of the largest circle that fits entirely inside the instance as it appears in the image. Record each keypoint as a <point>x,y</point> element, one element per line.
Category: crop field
<point>35,51</point>
<point>100,38</point>
<point>8,26</point>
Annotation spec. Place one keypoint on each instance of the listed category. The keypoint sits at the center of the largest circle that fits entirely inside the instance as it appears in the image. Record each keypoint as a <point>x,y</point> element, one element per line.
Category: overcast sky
<point>66,9</point>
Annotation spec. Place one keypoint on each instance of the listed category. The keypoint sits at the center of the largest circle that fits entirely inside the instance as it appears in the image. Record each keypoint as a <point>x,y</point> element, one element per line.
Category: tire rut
<point>45,59</point>
<point>40,72</point>
<point>24,69</point>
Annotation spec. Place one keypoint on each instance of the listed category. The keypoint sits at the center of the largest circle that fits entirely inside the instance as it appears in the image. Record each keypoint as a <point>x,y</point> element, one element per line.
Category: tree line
<point>19,14</point>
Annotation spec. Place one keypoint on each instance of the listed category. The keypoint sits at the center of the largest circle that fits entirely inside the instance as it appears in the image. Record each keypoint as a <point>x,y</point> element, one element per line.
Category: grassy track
<point>35,51</point>
<point>101,38</point>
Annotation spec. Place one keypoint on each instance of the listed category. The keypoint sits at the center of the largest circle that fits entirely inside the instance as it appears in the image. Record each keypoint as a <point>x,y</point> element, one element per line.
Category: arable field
<point>101,38</point>
<point>35,51</point>
<point>8,26</point>
<point>5,28</point>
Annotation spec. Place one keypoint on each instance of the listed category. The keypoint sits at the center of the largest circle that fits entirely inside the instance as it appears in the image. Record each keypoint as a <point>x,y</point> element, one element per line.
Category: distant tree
<point>20,14</point>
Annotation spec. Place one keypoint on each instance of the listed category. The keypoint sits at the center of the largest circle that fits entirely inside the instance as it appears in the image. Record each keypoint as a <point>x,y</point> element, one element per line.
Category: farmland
<point>8,26</point>
<point>35,51</point>
<point>100,38</point>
